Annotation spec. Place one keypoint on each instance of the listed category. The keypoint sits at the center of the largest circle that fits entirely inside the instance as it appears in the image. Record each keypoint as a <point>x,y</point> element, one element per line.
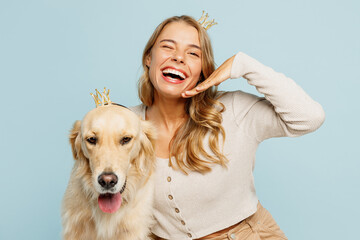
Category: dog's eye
<point>92,140</point>
<point>125,140</point>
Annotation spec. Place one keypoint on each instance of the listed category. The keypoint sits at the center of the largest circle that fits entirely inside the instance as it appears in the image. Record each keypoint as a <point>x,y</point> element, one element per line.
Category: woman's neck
<point>168,113</point>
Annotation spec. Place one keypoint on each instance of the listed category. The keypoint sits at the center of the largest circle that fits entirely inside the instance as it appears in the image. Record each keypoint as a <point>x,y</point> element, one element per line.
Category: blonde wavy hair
<point>204,109</point>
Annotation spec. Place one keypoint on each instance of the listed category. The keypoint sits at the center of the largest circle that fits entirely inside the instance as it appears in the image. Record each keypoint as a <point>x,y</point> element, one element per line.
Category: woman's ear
<point>148,60</point>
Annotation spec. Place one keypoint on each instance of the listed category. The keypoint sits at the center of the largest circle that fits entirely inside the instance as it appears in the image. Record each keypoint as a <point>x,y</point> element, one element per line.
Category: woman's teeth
<point>174,73</point>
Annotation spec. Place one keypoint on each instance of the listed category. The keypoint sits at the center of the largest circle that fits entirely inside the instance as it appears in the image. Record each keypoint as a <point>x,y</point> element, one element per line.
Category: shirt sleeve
<point>285,109</point>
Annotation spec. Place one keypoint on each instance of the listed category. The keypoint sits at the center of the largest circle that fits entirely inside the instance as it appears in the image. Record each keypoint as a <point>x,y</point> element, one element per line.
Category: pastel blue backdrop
<point>53,53</point>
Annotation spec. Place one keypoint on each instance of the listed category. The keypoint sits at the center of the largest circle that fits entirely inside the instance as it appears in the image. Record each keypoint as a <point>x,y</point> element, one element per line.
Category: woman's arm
<point>286,110</point>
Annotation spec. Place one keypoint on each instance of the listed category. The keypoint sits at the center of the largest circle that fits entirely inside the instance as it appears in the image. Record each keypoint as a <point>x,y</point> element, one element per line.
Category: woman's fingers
<point>211,81</point>
<point>217,77</point>
<point>201,87</point>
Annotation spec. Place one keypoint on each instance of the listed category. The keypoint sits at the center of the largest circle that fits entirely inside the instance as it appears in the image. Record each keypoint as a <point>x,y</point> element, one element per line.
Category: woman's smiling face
<point>175,60</point>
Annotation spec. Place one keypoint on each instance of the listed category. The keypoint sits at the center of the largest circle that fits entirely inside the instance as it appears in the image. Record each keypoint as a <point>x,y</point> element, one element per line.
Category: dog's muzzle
<point>109,181</point>
<point>123,187</point>
<point>110,201</point>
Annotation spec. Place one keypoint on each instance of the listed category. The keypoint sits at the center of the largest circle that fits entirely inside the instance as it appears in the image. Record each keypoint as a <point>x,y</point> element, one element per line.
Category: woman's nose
<point>178,57</point>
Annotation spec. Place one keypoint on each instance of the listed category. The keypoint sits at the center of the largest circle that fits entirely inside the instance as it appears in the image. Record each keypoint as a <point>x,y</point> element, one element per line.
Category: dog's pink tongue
<point>110,203</point>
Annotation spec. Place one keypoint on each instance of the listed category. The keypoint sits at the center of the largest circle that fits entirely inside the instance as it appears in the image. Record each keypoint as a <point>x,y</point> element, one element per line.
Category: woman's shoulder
<point>238,103</point>
<point>139,110</point>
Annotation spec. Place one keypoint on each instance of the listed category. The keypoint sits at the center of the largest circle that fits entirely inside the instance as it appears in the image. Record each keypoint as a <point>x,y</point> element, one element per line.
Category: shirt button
<point>182,222</point>
<point>232,236</point>
<point>170,197</point>
<point>169,179</point>
<point>189,235</point>
<point>177,210</point>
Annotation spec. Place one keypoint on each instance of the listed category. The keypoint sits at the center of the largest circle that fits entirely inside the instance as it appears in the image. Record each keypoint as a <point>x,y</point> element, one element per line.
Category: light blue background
<point>54,53</point>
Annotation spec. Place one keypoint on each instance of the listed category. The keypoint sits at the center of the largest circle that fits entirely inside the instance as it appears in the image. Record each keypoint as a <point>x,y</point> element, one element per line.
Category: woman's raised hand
<point>221,74</point>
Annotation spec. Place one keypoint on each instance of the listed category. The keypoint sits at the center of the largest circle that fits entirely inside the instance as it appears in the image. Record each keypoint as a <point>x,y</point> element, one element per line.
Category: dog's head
<point>110,144</point>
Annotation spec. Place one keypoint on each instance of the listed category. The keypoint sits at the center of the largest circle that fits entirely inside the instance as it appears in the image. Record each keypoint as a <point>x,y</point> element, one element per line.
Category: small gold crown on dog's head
<point>101,99</point>
<point>204,23</point>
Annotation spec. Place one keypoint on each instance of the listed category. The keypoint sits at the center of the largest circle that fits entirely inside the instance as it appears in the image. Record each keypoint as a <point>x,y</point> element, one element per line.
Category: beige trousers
<point>259,226</point>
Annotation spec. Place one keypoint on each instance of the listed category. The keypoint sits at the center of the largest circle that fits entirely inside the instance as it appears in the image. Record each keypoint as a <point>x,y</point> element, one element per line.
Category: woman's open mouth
<point>173,76</point>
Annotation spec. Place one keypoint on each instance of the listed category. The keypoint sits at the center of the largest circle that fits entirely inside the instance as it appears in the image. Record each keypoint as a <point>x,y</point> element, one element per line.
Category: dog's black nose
<point>107,180</point>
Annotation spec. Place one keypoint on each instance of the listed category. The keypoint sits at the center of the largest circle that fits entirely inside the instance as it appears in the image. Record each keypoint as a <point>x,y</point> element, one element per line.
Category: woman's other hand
<point>221,74</point>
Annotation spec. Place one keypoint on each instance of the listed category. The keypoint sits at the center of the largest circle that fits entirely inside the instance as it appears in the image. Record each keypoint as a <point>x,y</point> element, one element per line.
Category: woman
<point>207,140</point>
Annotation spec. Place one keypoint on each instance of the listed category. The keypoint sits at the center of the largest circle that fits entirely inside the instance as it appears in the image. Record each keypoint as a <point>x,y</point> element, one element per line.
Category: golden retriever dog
<point>110,191</point>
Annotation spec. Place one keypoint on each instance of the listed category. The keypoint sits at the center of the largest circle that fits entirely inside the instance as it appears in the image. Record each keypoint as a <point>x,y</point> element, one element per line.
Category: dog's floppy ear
<point>150,132</point>
<point>75,140</point>
<point>146,160</point>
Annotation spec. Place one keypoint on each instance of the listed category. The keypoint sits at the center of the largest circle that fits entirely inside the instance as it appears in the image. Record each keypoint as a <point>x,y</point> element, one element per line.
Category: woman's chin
<point>170,93</point>
<point>172,96</point>
<point>172,90</point>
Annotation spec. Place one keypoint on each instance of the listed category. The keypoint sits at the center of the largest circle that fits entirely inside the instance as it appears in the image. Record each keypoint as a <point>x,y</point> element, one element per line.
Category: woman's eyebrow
<point>173,41</point>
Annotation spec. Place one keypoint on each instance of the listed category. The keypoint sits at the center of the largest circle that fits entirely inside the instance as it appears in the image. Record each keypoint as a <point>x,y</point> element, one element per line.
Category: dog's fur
<point>134,161</point>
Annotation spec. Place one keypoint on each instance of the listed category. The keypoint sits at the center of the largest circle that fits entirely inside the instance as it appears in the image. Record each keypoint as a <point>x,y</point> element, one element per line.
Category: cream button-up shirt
<point>195,205</point>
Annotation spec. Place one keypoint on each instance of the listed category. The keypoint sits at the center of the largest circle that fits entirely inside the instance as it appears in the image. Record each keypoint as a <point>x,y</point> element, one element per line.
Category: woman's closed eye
<point>167,46</point>
<point>194,54</point>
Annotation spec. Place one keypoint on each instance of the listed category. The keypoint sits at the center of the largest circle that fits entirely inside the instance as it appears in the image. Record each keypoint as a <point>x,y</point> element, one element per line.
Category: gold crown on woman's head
<point>204,22</point>
<point>101,99</point>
